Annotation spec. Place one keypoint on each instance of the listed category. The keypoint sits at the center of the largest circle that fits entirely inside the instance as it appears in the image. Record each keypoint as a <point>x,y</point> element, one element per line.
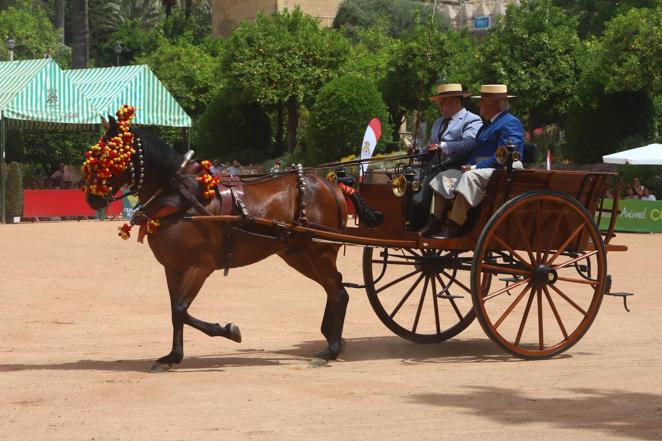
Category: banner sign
<point>481,22</point>
<point>636,216</point>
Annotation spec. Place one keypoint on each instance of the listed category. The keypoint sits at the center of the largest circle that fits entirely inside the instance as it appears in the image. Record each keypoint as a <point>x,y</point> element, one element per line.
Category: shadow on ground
<point>356,350</point>
<point>632,415</point>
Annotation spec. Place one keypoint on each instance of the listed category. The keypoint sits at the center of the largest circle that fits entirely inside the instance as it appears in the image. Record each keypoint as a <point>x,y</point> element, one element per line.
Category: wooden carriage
<point>532,268</point>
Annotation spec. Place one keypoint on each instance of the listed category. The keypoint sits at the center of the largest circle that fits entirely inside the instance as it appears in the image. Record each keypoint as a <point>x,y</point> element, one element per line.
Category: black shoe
<point>433,227</point>
<point>453,229</point>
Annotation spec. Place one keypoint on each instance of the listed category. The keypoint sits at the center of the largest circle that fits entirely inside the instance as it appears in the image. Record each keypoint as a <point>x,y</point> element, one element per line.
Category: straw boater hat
<point>447,90</point>
<point>494,91</point>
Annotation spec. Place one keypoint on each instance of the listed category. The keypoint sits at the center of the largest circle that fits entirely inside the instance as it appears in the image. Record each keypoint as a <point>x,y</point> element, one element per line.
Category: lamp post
<point>11,44</point>
<point>118,50</point>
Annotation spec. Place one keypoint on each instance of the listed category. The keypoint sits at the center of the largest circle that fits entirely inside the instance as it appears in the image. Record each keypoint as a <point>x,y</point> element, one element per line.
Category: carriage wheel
<point>539,307</point>
<point>419,294</point>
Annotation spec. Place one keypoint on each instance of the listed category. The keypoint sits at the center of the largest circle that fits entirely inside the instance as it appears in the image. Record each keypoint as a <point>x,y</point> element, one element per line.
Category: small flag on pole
<point>549,159</point>
<point>370,139</point>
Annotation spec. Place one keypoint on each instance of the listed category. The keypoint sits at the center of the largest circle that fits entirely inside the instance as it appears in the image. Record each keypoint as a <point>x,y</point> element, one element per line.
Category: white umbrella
<point>647,155</point>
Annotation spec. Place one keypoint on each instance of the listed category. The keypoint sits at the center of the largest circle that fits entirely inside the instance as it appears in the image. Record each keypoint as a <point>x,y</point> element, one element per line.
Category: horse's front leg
<point>183,288</point>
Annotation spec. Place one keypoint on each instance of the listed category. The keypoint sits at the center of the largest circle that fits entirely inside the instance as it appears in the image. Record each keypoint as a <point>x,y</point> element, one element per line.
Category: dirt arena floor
<point>86,314</point>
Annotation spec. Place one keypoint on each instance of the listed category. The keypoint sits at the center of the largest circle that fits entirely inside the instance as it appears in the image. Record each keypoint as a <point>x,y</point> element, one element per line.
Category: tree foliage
<point>232,128</point>
<point>535,50</point>
<point>339,118</point>
<point>283,60</point>
<point>399,16</point>
<point>33,32</point>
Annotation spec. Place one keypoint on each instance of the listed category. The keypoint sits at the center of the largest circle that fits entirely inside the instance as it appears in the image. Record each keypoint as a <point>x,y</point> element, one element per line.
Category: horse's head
<point>109,164</point>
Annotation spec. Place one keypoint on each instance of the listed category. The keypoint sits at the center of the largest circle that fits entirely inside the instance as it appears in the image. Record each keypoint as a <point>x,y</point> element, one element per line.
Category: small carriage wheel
<point>424,302</point>
<point>543,230</point>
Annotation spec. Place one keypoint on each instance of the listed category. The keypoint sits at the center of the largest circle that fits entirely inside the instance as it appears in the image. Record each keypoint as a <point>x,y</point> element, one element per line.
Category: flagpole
<point>3,188</point>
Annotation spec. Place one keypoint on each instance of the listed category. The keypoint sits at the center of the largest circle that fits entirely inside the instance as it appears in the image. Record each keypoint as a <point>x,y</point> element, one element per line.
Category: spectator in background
<point>275,168</point>
<point>638,188</point>
<point>235,169</point>
<point>216,168</point>
<point>648,196</point>
<point>61,178</point>
<point>630,194</point>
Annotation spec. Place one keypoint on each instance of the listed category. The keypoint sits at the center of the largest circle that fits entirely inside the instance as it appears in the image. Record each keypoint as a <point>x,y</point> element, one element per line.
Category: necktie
<point>443,128</point>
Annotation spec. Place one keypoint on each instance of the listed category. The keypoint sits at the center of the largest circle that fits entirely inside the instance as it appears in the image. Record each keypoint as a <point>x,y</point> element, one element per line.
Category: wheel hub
<point>544,275</point>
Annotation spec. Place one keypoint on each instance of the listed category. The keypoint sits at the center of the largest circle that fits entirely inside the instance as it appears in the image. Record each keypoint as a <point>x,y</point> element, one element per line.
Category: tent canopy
<point>108,88</point>
<point>37,92</point>
<point>647,155</point>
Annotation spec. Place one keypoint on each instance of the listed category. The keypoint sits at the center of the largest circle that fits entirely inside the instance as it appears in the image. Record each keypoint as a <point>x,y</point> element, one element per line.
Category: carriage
<point>532,268</point>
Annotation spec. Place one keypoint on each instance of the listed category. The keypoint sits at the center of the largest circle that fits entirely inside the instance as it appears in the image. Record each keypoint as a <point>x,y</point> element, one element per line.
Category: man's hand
<point>433,147</point>
<point>466,168</point>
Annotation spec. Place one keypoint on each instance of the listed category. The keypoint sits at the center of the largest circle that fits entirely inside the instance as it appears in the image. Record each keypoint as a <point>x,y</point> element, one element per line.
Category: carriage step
<point>624,295</point>
<point>449,296</point>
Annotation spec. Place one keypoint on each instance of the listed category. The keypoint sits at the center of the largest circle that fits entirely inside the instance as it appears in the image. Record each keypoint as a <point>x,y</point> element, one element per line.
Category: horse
<point>191,251</point>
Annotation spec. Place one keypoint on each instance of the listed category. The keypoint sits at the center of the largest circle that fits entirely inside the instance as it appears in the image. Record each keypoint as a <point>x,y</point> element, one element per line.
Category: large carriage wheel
<point>539,306</point>
<point>418,294</point>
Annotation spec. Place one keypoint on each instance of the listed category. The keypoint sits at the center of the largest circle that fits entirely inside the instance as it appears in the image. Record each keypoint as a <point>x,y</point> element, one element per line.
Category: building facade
<point>227,14</point>
<point>474,15</point>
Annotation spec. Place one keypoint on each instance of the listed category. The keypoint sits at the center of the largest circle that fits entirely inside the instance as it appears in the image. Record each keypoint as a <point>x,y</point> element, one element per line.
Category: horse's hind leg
<point>183,288</point>
<point>318,262</point>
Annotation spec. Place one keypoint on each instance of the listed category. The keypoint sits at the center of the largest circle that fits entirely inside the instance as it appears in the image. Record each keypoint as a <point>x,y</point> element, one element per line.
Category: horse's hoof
<point>317,362</point>
<point>158,367</point>
<point>235,333</point>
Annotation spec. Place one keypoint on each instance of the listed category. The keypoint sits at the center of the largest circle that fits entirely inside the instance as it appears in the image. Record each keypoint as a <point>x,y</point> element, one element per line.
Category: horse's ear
<point>113,122</point>
<point>104,121</point>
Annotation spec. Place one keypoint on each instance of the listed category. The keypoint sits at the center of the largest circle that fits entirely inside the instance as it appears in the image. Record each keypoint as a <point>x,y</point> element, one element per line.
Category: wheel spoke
<point>523,234</point>
<point>420,304</point>
<point>410,263</point>
<point>569,300</point>
<point>583,282</point>
<point>450,299</point>
<point>398,280</point>
<point>460,284</point>
<point>512,306</point>
<point>556,313</point>
<point>541,338</point>
<point>507,288</point>
<point>412,252</point>
<point>503,269</point>
<point>524,317</point>
<point>566,243</point>
<point>538,230</point>
<point>406,296</point>
<point>576,259</point>
<point>512,251</point>
<point>436,305</point>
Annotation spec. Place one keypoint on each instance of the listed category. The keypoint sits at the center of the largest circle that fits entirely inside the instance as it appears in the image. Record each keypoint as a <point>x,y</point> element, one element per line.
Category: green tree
<point>339,118</point>
<point>400,16</point>
<point>535,50</point>
<point>283,60</point>
<point>189,71</point>
<point>593,14</point>
<point>29,26</point>
<point>232,128</point>
<point>371,53</point>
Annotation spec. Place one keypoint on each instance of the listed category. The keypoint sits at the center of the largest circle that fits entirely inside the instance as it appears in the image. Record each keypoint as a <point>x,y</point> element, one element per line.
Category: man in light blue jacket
<point>453,136</point>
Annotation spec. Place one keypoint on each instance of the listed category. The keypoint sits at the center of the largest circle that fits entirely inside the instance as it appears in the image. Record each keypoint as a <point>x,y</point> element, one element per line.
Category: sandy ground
<point>85,315</point>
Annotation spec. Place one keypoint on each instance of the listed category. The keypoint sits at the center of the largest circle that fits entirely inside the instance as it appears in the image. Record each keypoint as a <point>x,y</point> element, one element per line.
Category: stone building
<point>474,15</point>
<point>227,14</point>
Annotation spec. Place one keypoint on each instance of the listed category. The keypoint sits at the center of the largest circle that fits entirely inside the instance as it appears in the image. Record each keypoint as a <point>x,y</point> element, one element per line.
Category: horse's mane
<point>156,152</point>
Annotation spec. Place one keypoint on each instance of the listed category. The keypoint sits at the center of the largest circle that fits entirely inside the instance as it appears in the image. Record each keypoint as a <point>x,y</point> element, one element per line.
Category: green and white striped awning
<point>108,88</point>
<point>37,92</point>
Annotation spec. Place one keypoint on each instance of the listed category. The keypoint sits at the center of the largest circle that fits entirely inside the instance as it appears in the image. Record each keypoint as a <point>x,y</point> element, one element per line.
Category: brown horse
<point>190,251</point>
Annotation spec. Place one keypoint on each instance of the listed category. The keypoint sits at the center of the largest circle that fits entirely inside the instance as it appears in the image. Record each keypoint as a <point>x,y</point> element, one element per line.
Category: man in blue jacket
<point>467,187</point>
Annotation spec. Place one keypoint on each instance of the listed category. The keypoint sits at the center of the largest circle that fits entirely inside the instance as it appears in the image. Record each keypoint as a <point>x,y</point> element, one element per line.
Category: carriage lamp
<point>11,44</point>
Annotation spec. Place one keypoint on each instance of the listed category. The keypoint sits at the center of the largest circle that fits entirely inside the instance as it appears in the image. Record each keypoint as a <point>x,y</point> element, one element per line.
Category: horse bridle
<point>135,170</point>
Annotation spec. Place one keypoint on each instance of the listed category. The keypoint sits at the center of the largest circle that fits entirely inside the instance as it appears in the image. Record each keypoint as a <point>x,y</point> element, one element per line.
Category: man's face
<point>448,106</point>
<point>488,107</point>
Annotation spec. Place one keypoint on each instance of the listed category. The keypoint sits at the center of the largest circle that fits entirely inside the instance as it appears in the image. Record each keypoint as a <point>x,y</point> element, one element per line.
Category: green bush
<point>339,117</point>
<point>14,187</point>
<point>233,128</point>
